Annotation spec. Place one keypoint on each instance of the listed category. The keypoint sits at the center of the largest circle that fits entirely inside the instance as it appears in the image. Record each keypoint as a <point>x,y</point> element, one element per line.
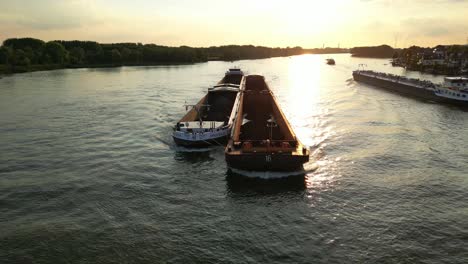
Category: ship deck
<point>426,85</point>
<point>262,138</point>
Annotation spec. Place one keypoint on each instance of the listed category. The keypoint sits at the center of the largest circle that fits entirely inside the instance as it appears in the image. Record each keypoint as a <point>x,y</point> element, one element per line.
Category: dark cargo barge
<point>261,138</point>
<point>454,90</point>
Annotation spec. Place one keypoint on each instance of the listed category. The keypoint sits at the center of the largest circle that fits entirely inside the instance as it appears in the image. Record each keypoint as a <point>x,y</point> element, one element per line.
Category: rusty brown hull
<point>262,139</point>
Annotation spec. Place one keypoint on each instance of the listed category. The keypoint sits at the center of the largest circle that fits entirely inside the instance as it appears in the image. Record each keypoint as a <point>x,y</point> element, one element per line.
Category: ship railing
<point>200,130</point>
<point>422,83</point>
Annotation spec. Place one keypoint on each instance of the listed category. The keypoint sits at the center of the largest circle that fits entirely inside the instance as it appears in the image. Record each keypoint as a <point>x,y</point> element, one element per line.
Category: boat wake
<point>270,175</point>
<point>165,142</point>
<point>184,149</point>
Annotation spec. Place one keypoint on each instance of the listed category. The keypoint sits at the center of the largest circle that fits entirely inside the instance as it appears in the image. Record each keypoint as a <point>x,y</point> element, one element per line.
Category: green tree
<point>20,58</point>
<point>58,54</point>
<point>22,43</point>
<point>5,55</point>
<point>77,55</point>
<point>116,57</point>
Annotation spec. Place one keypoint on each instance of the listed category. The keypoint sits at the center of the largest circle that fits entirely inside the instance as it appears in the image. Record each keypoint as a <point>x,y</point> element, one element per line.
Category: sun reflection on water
<point>304,84</point>
<point>306,104</point>
<point>304,99</point>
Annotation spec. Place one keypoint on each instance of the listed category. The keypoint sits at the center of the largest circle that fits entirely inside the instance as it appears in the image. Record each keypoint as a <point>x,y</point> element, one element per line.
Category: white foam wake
<point>267,175</point>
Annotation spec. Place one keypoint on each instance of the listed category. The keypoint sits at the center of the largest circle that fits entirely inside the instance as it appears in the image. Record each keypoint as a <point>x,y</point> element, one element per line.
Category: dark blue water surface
<point>89,172</point>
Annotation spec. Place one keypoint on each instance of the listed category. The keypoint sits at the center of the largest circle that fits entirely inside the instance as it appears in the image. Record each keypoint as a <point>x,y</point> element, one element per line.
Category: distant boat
<point>261,138</point>
<point>209,122</point>
<point>330,61</point>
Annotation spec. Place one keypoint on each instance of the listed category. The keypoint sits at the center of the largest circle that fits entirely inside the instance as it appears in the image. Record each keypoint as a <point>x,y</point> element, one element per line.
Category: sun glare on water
<point>303,82</point>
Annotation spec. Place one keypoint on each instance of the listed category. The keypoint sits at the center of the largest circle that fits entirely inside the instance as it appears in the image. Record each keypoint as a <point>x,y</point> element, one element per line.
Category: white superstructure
<point>455,88</point>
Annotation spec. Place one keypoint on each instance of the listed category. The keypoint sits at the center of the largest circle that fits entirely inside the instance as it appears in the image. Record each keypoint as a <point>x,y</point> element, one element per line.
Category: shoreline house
<point>446,56</point>
<point>434,57</point>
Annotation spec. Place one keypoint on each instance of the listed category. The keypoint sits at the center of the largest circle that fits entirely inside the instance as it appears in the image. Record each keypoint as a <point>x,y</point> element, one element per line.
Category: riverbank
<point>378,52</point>
<point>440,60</point>
<point>11,69</point>
<point>432,69</point>
<point>28,54</point>
<point>441,70</point>
<point>8,69</point>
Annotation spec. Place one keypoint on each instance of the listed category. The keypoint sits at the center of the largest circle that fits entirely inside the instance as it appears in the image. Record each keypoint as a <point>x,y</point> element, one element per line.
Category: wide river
<point>89,172</point>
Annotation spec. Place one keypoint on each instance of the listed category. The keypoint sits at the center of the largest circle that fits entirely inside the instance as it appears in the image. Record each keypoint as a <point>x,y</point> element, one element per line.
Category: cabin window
<point>463,95</point>
<point>458,95</point>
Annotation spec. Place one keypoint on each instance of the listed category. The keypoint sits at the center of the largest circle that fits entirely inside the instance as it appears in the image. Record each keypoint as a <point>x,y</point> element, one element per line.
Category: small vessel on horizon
<point>454,90</point>
<point>330,61</point>
<point>209,121</point>
<point>261,138</point>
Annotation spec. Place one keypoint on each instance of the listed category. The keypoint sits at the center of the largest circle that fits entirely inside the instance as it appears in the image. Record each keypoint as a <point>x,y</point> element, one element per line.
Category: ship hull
<point>219,141</point>
<point>262,138</point>
<point>266,162</point>
<point>400,88</point>
<point>406,89</point>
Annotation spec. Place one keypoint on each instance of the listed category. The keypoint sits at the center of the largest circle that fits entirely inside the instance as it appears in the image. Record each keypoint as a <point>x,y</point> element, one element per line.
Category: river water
<point>89,172</point>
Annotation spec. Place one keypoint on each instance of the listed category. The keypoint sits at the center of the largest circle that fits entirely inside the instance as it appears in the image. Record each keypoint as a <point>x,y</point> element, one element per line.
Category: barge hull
<point>266,162</point>
<point>397,87</point>
<point>201,143</point>
<point>262,138</point>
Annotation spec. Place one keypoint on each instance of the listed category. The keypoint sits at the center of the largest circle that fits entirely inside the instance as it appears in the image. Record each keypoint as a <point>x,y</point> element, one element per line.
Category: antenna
<point>361,66</point>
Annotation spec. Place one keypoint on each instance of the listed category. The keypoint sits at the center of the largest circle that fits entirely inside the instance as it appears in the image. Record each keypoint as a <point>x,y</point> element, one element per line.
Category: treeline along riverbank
<point>382,51</point>
<point>29,54</point>
<point>441,59</point>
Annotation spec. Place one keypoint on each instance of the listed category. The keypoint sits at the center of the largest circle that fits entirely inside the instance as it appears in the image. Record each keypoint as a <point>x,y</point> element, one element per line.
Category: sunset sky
<point>198,23</point>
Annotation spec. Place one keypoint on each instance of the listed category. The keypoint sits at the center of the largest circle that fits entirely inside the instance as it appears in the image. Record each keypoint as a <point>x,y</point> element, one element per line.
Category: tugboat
<point>330,61</point>
<point>209,121</point>
<point>262,139</point>
<point>454,90</point>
